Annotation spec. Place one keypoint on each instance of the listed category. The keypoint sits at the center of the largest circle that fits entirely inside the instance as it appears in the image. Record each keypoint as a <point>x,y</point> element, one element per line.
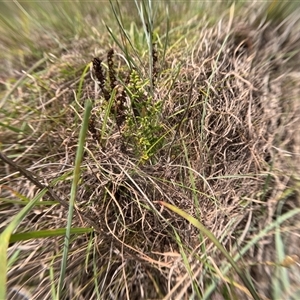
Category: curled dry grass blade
<point>211,236</point>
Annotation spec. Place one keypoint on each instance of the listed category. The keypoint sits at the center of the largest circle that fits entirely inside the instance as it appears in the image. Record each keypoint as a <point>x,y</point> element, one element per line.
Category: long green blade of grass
<point>280,281</point>
<point>76,177</point>
<point>5,239</point>
<point>23,78</point>
<point>251,243</point>
<point>82,77</point>
<point>210,235</point>
<point>124,36</point>
<point>24,236</point>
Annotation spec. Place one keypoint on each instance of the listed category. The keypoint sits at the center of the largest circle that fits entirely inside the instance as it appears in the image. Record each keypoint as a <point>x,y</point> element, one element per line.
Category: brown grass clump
<point>227,153</point>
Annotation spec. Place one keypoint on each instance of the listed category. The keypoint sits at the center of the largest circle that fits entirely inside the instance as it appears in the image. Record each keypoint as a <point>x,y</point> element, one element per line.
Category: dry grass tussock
<point>228,149</point>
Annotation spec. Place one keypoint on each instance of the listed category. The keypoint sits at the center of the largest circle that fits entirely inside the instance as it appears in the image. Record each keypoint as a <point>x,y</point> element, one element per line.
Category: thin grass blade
<point>76,177</point>
<point>210,235</point>
<point>5,238</point>
<point>24,236</point>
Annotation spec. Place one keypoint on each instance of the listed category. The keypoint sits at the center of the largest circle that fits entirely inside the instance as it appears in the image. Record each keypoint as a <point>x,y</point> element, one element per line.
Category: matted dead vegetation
<point>229,156</point>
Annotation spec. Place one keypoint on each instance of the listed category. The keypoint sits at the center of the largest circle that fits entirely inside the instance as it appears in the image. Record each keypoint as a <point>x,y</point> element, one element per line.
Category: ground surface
<point>200,109</point>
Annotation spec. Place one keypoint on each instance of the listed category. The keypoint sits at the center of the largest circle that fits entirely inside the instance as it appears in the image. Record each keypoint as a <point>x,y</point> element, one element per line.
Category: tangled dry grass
<point>230,116</point>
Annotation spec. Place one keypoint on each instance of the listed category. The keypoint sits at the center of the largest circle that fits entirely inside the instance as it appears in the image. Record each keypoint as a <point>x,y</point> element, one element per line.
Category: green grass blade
<point>124,37</point>
<point>251,243</point>
<point>280,281</point>
<point>13,258</point>
<point>76,177</point>
<point>14,129</point>
<point>81,81</point>
<point>210,235</point>
<point>25,202</point>
<point>166,43</point>
<point>22,79</point>
<point>24,236</point>
<point>146,17</point>
<point>52,279</point>
<point>186,262</point>
<point>5,238</point>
